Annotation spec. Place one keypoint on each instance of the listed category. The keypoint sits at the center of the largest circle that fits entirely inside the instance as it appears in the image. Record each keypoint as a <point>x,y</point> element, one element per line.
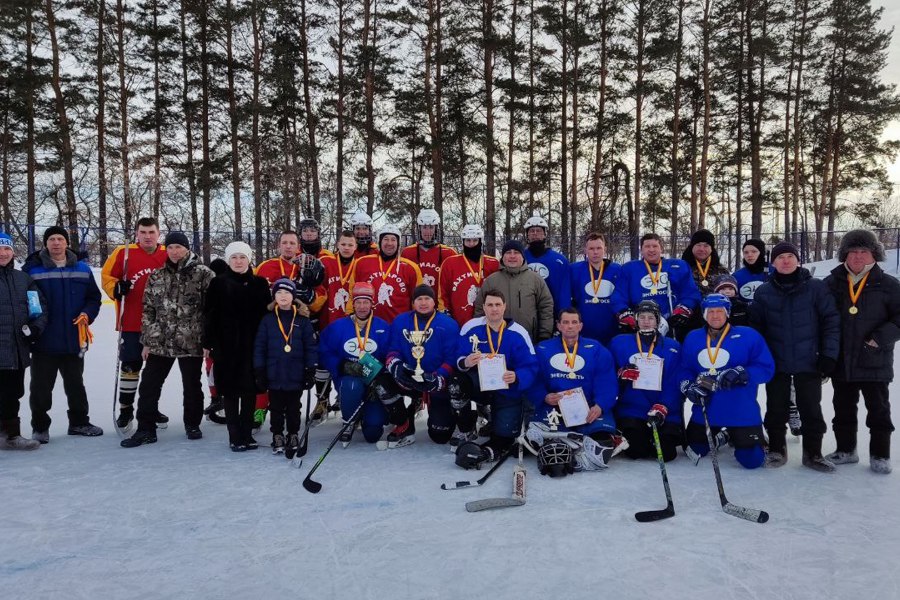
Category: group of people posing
<point>578,362</point>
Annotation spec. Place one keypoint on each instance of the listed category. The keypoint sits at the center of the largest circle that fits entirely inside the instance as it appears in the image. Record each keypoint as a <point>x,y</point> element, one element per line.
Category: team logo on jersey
<point>748,290</point>
<point>605,291</point>
<point>471,295</point>
<point>428,280</point>
<point>558,362</point>
<point>351,346</point>
<point>647,282</point>
<point>721,359</point>
<point>540,269</point>
<point>384,294</point>
<point>341,297</point>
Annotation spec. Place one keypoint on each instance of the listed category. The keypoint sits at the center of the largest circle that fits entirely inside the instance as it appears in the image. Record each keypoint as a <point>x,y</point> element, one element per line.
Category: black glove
<point>433,383</point>
<point>825,365</point>
<point>28,334</point>
<point>680,316</point>
<point>309,378</point>
<point>352,368</point>
<point>123,286</point>
<point>305,294</point>
<point>261,377</point>
<point>732,378</point>
<point>402,374</point>
<point>694,392</point>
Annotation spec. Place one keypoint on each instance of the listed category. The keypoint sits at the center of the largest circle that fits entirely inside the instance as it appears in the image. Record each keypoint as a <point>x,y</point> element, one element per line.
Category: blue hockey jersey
<point>515,347</point>
<point>675,277</point>
<point>440,347</point>
<point>748,281</point>
<point>599,318</point>
<point>595,374</point>
<point>742,347</point>
<point>553,268</point>
<point>339,342</point>
<point>636,403</point>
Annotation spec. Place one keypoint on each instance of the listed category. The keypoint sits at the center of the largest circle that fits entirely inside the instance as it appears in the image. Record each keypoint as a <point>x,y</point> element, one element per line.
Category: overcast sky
<point>891,18</point>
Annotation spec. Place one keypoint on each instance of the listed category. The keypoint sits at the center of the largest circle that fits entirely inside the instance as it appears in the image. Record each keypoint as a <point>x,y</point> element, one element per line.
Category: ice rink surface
<point>84,518</point>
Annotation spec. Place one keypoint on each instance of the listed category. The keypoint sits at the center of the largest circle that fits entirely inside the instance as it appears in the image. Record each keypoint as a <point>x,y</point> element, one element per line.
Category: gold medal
<point>653,290</point>
<point>287,347</point>
<point>571,375</point>
<point>713,371</point>
<point>855,293</point>
<point>290,332</point>
<point>853,310</point>
<point>595,300</point>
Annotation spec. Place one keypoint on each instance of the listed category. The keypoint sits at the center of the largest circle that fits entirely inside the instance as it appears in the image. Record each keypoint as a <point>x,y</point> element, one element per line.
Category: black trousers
<point>284,406</point>
<point>878,419</point>
<point>12,388</point>
<point>808,388</point>
<point>44,369</point>
<point>155,373</point>
<point>640,439</point>
<point>239,411</point>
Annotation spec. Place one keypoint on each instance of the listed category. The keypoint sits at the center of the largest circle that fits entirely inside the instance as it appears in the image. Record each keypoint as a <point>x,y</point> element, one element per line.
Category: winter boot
<point>215,412</point>
<point>880,465</point>
<point>250,443</point>
<point>277,444</point>
<point>193,433</point>
<point>817,462</point>
<point>839,457</point>
<point>126,417</point>
<point>86,430</point>
<point>140,437</point>
<point>293,444</point>
<point>42,437</point>
<point>775,458</point>
<point>162,421</point>
<point>17,442</point>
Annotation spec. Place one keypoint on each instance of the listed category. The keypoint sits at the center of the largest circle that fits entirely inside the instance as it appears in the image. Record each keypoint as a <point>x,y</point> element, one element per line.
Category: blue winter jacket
<point>285,370</point>
<point>69,291</point>
<point>636,403</point>
<point>600,321</point>
<point>742,347</point>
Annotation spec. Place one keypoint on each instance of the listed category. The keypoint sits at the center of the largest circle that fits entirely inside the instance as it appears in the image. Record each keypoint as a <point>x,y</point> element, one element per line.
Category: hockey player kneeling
<point>497,366</point>
<point>722,367</point>
<point>577,381</point>
<point>648,366</point>
<point>347,349</point>
<point>423,347</point>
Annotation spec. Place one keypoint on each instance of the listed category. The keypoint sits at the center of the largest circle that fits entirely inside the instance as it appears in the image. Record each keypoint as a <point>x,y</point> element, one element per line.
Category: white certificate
<point>574,407</point>
<point>651,371</point>
<point>490,373</point>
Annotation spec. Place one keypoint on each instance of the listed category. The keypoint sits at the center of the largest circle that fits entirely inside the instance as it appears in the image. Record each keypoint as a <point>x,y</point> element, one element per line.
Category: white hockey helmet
<point>472,232</point>
<point>428,216</point>
<point>389,229</point>
<point>360,218</point>
<point>536,220</point>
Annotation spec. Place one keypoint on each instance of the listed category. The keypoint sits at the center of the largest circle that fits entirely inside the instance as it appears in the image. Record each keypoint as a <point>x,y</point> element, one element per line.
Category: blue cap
<point>5,240</point>
<point>284,284</point>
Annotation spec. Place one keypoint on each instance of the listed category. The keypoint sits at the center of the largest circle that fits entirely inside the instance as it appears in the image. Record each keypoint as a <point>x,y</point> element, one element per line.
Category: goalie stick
<point>750,514</point>
<point>648,516</point>
<point>518,495</point>
<point>458,485</point>
<point>120,314</point>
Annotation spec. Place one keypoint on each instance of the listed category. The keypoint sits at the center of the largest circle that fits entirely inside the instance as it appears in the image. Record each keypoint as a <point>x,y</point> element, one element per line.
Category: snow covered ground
<point>84,518</point>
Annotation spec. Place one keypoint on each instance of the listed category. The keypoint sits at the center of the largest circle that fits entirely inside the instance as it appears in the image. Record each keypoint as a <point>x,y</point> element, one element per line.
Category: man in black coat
<point>797,317</point>
<point>868,302</point>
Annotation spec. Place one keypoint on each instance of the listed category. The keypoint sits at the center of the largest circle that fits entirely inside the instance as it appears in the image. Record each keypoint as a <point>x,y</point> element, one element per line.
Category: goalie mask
<point>555,459</point>
<point>309,228</point>
<point>361,224</point>
<point>428,217</point>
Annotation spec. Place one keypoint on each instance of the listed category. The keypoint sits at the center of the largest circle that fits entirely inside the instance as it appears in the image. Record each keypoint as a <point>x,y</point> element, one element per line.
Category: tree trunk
<point>101,133</point>
<point>233,121</point>
<point>312,120</point>
<point>433,100</point>
<point>339,167</point>
<point>531,27</point>
<point>634,225</point>
<point>206,166</point>
<point>563,129</point>
<point>254,133</point>
<point>188,121</point>
<point>797,132</point>
<point>369,49</point>
<point>707,112</point>
<point>128,208</point>
<point>487,21</point>
<point>157,115</point>
<point>601,113</point>
<point>30,156</point>
<point>570,241</point>
<point>513,98</point>
<point>676,117</point>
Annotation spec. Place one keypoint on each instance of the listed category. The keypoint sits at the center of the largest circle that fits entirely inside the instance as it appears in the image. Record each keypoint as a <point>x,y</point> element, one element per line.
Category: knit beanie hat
<point>178,237</point>
<point>785,247</point>
<point>5,240</point>
<point>56,230</point>
<point>424,290</point>
<point>284,284</point>
<point>513,245</point>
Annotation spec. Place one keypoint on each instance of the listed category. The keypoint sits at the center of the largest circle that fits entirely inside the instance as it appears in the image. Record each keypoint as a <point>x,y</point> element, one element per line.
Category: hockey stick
<point>304,439</point>
<point>750,514</point>
<point>120,313</point>
<point>518,495</point>
<point>315,487</point>
<point>466,484</point>
<point>647,516</point>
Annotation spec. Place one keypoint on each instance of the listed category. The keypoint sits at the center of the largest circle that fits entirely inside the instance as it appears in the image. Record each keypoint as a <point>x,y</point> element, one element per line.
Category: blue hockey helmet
<point>716,301</point>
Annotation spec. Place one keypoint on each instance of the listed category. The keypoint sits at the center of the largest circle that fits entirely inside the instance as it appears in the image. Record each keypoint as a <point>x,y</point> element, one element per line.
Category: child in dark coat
<point>284,362</point>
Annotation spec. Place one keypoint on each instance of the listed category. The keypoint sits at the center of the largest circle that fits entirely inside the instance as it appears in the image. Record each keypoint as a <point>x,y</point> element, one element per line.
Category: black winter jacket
<point>799,322</point>
<point>14,349</point>
<point>235,304</point>
<point>878,319</point>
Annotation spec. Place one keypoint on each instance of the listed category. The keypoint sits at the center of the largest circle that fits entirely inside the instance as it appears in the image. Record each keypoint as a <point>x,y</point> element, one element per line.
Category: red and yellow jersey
<point>459,282</point>
<point>394,281</point>
<point>429,260</point>
<point>140,264</point>
<point>276,268</point>
<point>336,288</point>
<point>371,250</point>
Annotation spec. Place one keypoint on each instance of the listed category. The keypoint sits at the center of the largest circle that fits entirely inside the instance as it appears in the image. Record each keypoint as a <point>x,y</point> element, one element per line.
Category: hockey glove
<point>309,378</point>
<point>262,379</point>
<point>694,392</point>
<point>629,372</point>
<point>403,375</point>
<point>352,368</point>
<point>657,414</point>
<point>305,294</point>
<point>123,286</point>
<point>627,322</point>
<point>680,316</point>
<point>434,383</point>
<point>732,378</point>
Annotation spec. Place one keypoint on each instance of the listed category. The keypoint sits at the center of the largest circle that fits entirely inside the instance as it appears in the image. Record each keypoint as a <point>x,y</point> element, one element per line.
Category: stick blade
<point>750,514</point>
<point>489,503</point>
<point>313,487</point>
<point>649,516</point>
<point>458,485</point>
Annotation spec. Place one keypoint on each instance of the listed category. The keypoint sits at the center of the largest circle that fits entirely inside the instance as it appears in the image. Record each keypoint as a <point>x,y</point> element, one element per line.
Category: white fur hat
<point>238,247</point>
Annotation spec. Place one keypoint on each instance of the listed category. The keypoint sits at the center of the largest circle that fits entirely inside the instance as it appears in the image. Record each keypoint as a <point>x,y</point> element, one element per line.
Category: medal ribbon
<point>709,353</point>
<point>350,268</point>
<point>637,338</point>
<point>654,280</point>
<point>287,336</point>
<point>703,271</point>
<point>362,341</point>
<point>854,295</point>
<point>281,266</point>
<point>596,285</point>
<point>427,325</point>
<point>494,350</point>
<point>570,356</point>
<point>384,274</point>
<point>480,275</point>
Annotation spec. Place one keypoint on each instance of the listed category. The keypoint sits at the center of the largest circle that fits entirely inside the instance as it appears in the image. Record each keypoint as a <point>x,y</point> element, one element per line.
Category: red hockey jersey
<point>336,288</point>
<point>459,283</point>
<point>429,260</point>
<point>140,265</point>
<point>394,282</point>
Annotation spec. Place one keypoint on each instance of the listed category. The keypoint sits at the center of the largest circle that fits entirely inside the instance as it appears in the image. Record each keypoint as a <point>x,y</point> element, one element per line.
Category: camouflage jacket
<point>172,323</point>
